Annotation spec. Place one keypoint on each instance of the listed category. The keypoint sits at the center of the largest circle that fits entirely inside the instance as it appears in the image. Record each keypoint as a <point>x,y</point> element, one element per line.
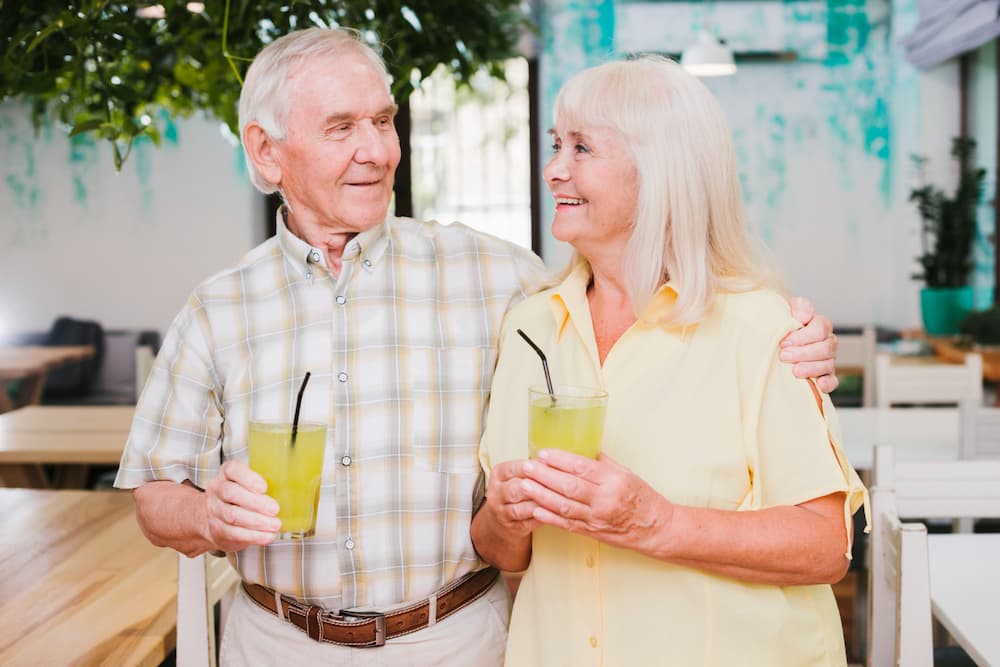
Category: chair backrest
<point>201,583</point>
<point>899,600</point>
<point>920,383</point>
<point>77,378</point>
<point>939,489</point>
<point>981,433</point>
<point>856,352</point>
<point>144,358</point>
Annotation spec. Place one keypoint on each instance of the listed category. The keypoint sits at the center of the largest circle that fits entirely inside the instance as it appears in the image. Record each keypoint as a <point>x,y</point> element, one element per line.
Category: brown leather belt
<point>373,628</point>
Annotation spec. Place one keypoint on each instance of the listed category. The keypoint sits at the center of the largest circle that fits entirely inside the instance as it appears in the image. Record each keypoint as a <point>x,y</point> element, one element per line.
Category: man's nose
<point>373,144</point>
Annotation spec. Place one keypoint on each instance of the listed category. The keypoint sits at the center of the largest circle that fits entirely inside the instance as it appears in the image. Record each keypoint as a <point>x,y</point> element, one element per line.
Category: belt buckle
<point>379,624</point>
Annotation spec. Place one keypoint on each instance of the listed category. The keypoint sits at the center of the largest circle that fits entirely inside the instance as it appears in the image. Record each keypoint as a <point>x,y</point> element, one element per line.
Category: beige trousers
<point>475,636</point>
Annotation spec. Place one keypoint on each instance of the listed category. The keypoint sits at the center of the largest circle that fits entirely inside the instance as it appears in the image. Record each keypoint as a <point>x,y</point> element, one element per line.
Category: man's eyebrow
<point>341,117</point>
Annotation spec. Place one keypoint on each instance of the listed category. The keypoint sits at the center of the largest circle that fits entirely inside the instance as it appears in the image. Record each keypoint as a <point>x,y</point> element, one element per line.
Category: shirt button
<point>341,299</point>
<point>593,641</point>
<point>314,256</point>
<point>346,460</point>
<point>342,377</point>
<point>590,560</point>
<point>367,263</point>
<point>349,543</point>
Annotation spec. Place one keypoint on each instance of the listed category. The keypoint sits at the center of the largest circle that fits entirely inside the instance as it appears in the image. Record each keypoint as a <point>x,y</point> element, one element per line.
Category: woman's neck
<point>611,310</point>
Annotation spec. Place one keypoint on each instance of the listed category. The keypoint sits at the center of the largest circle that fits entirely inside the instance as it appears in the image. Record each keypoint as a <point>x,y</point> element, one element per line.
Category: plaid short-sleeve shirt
<point>401,346</point>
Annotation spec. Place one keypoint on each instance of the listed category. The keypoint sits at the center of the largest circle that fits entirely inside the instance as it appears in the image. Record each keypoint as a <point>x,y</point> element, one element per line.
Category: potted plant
<point>948,228</point>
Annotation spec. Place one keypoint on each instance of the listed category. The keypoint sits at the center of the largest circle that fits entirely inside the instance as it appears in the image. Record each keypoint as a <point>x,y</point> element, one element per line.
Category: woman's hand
<point>600,499</point>
<point>813,348</point>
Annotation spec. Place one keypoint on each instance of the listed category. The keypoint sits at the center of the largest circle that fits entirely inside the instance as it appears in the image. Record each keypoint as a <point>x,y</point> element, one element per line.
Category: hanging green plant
<point>100,67</point>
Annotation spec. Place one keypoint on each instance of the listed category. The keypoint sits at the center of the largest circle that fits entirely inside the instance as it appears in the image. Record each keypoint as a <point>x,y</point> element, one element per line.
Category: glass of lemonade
<point>574,422</point>
<point>292,473</point>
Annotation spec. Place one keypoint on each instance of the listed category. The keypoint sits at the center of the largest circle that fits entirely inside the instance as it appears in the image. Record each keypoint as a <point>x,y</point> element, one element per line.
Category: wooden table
<point>74,436</point>
<point>29,364</point>
<point>916,433</point>
<point>965,591</point>
<point>948,350</point>
<point>79,584</point>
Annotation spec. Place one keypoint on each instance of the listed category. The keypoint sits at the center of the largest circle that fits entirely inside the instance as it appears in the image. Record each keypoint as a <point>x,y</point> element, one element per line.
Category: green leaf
<point>43,33</point>
<point>86,126</point>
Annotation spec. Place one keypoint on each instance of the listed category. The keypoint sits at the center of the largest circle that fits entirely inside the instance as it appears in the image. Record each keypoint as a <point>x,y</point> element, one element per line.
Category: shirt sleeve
<point>177,428</point>
<point>793,455</point>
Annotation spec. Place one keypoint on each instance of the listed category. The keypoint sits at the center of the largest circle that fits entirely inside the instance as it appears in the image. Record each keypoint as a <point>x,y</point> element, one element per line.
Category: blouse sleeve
<point>794,456</point>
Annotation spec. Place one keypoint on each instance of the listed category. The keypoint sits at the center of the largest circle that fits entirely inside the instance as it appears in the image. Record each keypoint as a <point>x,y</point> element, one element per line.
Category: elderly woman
<point>719,511</point>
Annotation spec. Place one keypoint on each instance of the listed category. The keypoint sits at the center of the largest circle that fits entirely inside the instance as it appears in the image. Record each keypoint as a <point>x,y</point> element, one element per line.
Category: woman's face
<point>594,184</point>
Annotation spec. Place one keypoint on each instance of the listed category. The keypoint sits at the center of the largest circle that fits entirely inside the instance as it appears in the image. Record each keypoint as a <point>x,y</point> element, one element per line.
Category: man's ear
<point>260,148</point>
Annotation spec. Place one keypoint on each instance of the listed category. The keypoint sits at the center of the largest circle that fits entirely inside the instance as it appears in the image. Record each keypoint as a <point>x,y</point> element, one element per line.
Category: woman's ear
<point>260,148</point>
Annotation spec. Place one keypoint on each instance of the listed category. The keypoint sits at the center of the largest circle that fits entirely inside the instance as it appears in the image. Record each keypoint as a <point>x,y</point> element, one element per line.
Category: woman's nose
<point>554,171</point>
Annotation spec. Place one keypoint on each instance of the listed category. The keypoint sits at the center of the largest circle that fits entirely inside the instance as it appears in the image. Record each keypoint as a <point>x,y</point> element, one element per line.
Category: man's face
<point>340,151</point>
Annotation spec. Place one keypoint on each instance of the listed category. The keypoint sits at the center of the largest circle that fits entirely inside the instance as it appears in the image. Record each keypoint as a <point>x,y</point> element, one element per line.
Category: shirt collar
<point>569,300</point>
<point>369,245</point>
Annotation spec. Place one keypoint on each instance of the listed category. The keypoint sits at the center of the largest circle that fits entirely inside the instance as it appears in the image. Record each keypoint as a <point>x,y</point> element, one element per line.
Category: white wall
<point>126,249</point>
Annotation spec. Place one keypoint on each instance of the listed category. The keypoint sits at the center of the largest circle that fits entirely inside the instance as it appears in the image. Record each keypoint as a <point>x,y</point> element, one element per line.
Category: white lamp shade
<point>708,57</point>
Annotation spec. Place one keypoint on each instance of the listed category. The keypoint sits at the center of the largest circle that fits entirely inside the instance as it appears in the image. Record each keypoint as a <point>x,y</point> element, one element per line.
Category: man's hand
<point>505,496</point>
<point>813,348</point>
<point>239,512</point>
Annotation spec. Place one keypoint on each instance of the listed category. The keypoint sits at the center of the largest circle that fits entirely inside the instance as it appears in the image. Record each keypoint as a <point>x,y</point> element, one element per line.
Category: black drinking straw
<point>545,363</point>
<point>298,406</point>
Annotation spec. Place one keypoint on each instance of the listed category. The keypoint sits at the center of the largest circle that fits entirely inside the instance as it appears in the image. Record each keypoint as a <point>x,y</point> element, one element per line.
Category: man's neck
<point>330,241</point>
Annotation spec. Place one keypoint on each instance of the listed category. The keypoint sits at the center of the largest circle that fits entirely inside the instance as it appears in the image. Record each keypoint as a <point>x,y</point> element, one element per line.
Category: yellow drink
<point>575,422</point>
<point>292,473</point>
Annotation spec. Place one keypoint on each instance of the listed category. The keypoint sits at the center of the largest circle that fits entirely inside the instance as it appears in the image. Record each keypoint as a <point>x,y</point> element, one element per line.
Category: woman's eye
<point>555,147</point>
<point>580,148</point>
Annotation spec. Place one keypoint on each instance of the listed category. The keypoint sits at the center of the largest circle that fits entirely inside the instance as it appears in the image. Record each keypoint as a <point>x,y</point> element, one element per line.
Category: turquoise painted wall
<point>824,140</point>
<point>124,248</point>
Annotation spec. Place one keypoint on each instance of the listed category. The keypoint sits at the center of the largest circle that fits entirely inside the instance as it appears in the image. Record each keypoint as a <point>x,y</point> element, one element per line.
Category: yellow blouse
<point>710,418</point>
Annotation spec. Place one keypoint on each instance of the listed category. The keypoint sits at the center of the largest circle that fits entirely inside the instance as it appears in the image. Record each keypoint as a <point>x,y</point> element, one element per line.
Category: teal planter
<point>944,308</point>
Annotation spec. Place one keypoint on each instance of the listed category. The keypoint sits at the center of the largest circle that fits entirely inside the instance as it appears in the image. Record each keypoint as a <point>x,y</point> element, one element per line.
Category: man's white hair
<point>265,95</point>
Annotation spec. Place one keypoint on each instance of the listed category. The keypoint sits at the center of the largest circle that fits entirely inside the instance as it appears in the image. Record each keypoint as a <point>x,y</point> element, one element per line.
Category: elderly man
<point>397,321</point>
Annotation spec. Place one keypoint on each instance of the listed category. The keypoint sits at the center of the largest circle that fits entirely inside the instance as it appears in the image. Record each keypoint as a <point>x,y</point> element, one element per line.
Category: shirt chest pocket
<point>445,401</point>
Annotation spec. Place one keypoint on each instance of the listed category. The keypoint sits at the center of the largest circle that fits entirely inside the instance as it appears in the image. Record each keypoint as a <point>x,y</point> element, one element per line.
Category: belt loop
<point>432,609</point>
<point>312,623</point>
<point>277,605</point>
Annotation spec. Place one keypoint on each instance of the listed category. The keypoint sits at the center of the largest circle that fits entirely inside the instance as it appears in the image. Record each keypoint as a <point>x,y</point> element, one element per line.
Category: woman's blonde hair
<point>265,96</point>
<point>689,225</point>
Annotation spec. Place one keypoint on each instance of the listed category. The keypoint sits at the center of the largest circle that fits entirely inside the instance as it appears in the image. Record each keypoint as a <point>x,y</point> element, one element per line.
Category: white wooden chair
<point>201,582</point>
<point>856,352</point>
<point>917,383</point>
<point>916,489</point>
<point>981,433</point>
<point>899,593</point>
